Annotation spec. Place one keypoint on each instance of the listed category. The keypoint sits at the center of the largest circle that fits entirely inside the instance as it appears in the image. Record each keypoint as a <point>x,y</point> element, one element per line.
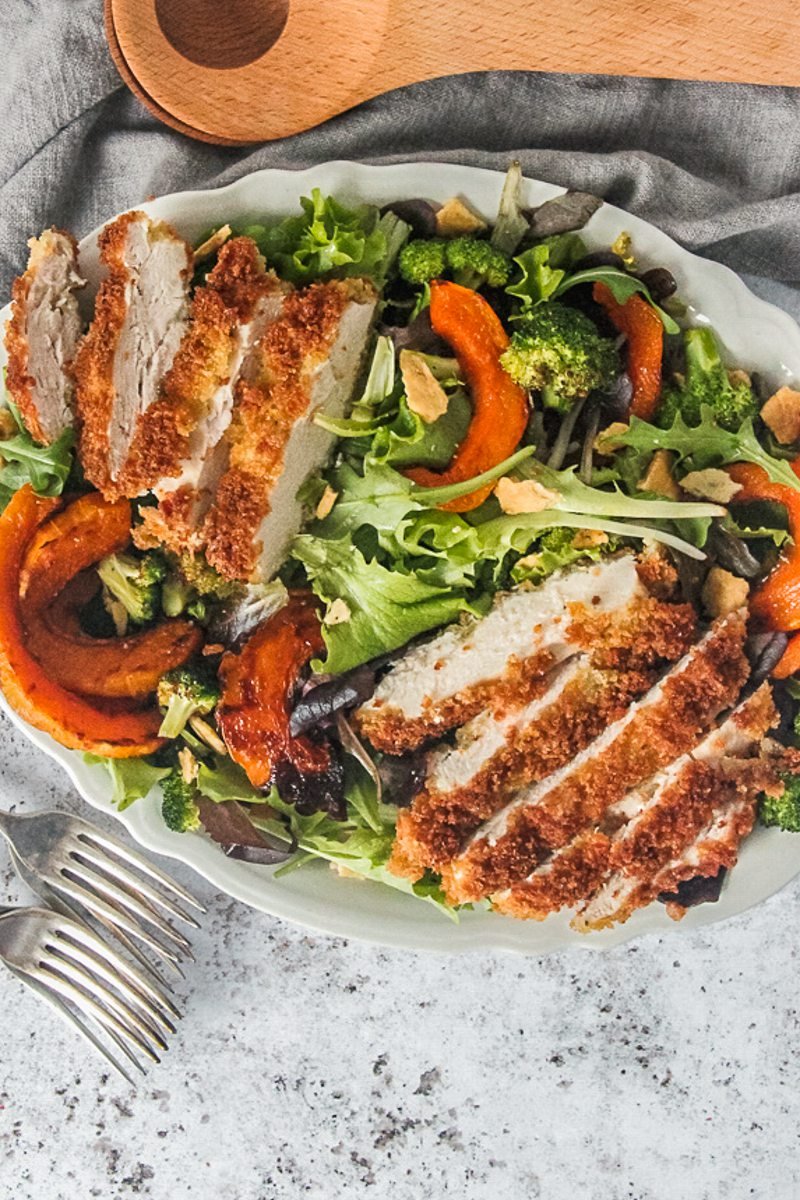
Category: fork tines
<point>70,966</point>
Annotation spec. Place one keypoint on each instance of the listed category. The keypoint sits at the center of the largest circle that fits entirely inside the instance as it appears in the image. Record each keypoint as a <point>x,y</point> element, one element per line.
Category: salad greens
<point>22,460</point>
<point>328,238</point>
<point>707,445</point>
<point>548,274</point>
<point>131,778</point>
<point>360,845</point>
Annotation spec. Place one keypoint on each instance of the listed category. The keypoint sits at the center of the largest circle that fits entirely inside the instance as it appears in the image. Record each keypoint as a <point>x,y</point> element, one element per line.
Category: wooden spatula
<point>251,70</point>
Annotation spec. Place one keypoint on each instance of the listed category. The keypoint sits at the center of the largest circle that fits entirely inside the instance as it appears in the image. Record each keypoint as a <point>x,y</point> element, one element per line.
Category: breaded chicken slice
<point>42,335</point>
<point>307,362</point>
<point>651,826</point>
<point>230,315</point>
<point>496,754</point>
<point>493,662</point>
<point>141,317</point>
<point>668,721</point>
<point>686,806</point>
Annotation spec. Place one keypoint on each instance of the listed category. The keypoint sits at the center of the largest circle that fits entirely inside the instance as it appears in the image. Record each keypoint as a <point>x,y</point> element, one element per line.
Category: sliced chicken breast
<point>307,362</point>
<point>679,808</point>
<point>141,317</point>
<point>654,823</point>
<point>496,754</point>
<point>668,721</point>
<point>42,335</point>
<point>230,315</point>
<point>603,608</point>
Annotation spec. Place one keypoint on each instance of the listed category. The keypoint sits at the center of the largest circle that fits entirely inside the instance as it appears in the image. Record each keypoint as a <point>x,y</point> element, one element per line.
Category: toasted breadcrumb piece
<point>723,592</point>
<point>425,395</point>
<point>659,478</point>
<point>711,484</point>
<point>781,414</point>
<point>455,219</point>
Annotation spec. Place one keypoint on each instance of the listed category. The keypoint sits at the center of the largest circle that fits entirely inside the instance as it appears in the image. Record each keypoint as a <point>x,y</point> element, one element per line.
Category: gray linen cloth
<point>717,166</point>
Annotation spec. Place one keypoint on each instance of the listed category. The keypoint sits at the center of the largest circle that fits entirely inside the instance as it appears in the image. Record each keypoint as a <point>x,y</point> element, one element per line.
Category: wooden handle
<point>252,70</point>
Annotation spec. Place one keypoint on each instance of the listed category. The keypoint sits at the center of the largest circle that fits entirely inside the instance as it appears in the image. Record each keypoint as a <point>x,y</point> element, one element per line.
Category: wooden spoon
<point>253,70</point>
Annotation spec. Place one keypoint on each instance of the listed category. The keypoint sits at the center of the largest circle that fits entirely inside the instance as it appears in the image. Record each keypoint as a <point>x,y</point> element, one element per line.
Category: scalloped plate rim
<point>338,906</point>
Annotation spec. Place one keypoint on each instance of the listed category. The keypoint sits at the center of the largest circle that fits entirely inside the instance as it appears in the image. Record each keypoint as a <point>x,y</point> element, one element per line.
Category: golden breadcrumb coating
<point>660,730</point>
<point>267,407</point>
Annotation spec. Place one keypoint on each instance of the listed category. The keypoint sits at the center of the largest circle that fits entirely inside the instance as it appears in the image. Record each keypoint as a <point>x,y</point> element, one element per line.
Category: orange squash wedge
<point>64,546</point>
<point>41,701</point>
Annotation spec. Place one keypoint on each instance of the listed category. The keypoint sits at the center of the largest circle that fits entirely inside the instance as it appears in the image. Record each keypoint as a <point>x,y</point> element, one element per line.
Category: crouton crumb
<point>723,592</point>
<point>454,219</point>
<point>338,613</point>
<point>524,496</point>
<point>781,414</point>
<point>711,484</point>
<point>589,539</point>
<point>658,477</point>
<point>326,503</point>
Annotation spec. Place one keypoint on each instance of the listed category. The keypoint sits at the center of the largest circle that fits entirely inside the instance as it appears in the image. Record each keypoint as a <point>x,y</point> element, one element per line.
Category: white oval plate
<point>757,336</point>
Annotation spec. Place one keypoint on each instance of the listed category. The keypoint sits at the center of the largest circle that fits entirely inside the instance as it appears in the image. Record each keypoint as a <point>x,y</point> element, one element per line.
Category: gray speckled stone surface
<point>308,1066</point>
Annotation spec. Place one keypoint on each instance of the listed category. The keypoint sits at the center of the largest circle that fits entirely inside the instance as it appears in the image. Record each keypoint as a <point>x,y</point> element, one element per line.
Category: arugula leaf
<point>382,497</point>
<point>45,468</point>
<point>708,444</point>
<point>621,285</point>
<point>574,496</point>
<point>386,608</point>
<point>517,532</point>
<point>546,276</point>
<point>326,238</point>
<point>131,778</point>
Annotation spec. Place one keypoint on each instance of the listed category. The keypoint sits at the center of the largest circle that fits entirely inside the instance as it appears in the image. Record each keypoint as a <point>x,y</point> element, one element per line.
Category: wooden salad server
<point>252,70</point>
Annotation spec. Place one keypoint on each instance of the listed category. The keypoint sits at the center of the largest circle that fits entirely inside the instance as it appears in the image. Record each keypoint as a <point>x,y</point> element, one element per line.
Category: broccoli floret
<point>185,693</point>
<point>135,583</point>
<point>474,262</point>
<point>558,351</point>
<point>204,578</point>
<point>707,383</point>
<point>190,578</point>
<point>421,260</point>
<point>783,810</point>
<point>179,805</point>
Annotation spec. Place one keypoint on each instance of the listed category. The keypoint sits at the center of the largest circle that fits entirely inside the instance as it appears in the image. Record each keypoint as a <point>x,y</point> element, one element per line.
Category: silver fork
<point>70,862</point>
<point>86,981</point>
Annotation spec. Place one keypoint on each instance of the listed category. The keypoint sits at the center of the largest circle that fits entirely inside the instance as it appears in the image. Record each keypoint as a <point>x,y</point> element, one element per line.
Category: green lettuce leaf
<point>539,280</point>
<point>707,445</point>
<point>328,238</point>
<point>409,440</point>
<point>574,496</point>
<point>45,468</point>
<point>553,551</point>
<point>361,844</point>
<point>386,609</point>
<point>131,778</point>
